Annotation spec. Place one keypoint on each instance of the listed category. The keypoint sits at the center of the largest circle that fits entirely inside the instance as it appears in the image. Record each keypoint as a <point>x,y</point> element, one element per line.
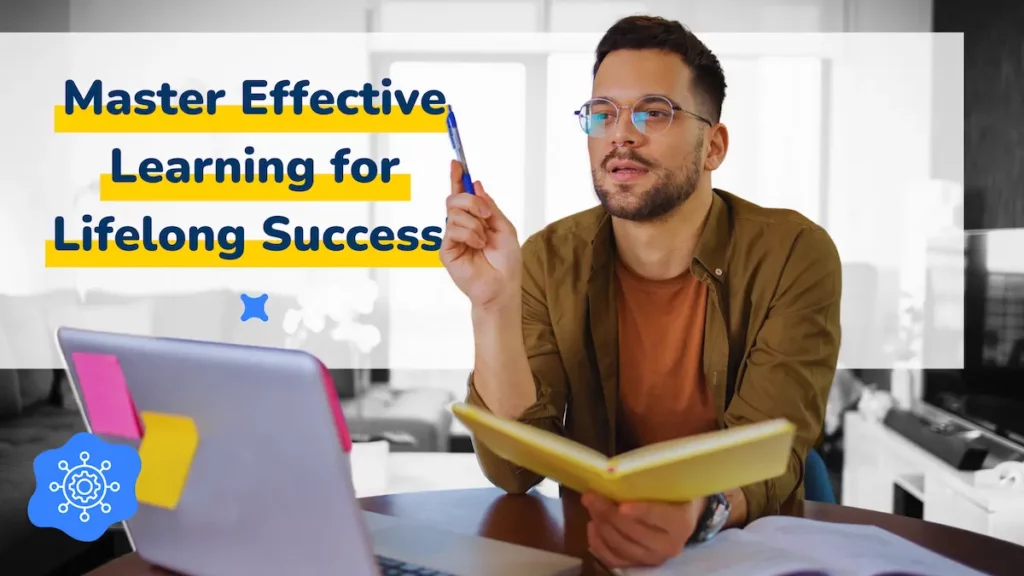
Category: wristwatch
<point>716,514</point>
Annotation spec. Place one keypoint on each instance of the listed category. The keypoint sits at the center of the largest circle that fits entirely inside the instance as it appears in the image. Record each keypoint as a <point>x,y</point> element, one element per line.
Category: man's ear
<point>718,146</point>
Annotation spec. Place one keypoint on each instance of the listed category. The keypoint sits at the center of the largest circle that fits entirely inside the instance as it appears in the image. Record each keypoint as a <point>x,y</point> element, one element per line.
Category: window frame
<point>535,154</point>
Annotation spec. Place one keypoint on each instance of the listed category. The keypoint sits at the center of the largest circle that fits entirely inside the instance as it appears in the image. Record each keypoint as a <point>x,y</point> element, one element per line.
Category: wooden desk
<point>559,526</point>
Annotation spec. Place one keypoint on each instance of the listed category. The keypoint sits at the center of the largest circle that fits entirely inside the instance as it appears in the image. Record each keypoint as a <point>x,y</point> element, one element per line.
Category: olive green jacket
<point>771,334</point>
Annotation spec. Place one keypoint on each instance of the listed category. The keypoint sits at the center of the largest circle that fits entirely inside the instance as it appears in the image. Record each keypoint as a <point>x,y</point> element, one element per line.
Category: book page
<point>682,470</point>
<point>656,454</point>
<point>861,550</point>
<point>737,553</point>
<point>498,432</point>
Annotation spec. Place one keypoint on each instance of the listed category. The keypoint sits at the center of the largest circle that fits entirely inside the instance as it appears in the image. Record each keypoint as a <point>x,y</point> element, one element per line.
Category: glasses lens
<point>652,115</point>
<point>596,117</point>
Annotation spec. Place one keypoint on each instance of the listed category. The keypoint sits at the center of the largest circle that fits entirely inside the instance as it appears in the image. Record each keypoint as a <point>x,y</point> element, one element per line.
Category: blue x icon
<point>254,307</point>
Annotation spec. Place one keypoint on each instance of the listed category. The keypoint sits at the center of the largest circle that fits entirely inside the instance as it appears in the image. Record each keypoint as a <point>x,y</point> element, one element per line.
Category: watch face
<point>720,515</point>
<point>714,518</point>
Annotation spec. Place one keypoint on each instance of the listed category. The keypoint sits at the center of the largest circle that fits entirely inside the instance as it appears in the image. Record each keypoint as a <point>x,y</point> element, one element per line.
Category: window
<point>1004,316</point>
<point>425,301</point>
<point>1004,308</point>
<point>773,109</point>
<point>1002,252</point>
<point>569,186</point>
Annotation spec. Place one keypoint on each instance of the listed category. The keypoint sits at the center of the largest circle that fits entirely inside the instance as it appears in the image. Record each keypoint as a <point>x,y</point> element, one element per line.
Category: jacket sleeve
<point>791,366</point>
<point>548,375</point>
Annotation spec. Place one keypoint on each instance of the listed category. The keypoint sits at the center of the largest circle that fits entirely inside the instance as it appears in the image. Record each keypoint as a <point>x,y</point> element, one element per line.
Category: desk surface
<point>559,526</point>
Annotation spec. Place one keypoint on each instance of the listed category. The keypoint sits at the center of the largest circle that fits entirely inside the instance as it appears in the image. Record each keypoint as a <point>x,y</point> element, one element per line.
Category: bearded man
<point>672,309</point>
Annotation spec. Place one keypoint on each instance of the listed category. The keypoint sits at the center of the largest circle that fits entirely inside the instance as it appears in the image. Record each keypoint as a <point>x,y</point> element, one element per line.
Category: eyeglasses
<point>650,115</point>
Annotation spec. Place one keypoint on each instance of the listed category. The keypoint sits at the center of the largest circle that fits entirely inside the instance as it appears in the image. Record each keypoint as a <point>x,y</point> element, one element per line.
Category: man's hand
<point>639,533</point>
<point>481,249</point>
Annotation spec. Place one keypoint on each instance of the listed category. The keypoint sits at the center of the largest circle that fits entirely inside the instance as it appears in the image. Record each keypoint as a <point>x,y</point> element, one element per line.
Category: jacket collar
<point>712,247</point>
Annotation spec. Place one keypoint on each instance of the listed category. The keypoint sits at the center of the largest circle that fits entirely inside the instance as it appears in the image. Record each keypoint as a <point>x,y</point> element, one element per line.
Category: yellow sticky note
<point>166,451</point>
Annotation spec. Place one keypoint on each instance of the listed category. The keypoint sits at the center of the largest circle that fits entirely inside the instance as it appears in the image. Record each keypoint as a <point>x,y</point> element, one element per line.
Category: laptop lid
<point>269,489</point>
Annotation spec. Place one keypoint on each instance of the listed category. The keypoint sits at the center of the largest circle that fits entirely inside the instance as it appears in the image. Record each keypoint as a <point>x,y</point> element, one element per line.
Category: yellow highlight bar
<point>324,189</point>
<point>254,256</point>
<point>229,118</point>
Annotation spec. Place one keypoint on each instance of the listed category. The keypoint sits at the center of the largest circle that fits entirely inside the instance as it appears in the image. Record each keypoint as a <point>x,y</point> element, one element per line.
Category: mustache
<point>629,155</point>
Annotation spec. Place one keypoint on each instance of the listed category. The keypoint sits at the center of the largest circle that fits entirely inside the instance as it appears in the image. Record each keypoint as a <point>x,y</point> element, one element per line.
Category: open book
<point>672,471</point>
<point>784,546</point>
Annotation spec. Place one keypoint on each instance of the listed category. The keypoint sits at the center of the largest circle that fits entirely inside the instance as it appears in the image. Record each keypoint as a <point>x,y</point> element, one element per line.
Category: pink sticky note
<point>108,402</point>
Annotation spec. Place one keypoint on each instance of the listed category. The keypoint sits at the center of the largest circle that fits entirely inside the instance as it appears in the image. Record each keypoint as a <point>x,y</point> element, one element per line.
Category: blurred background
<point>859,132</point>
<point>877,137</point>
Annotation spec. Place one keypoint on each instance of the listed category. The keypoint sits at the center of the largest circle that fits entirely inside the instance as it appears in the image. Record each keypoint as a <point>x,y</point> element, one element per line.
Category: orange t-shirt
<point>662,392</point>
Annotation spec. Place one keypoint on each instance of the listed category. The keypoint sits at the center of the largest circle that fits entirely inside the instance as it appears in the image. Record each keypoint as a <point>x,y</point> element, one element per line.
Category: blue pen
<point>453,135</point>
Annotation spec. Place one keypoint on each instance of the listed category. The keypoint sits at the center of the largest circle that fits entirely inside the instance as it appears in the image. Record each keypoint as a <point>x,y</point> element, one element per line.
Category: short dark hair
<point>656,33</point>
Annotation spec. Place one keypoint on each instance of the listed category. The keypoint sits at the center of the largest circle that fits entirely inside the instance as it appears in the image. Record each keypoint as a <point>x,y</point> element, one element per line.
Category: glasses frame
<point>618,109</point>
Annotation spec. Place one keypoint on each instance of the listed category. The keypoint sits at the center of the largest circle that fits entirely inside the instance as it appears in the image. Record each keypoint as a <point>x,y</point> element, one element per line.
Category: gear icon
<point>84,486</point>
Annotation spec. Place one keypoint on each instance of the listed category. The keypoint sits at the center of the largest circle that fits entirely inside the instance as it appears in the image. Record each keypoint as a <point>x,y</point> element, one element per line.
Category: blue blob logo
<point>84,487</point>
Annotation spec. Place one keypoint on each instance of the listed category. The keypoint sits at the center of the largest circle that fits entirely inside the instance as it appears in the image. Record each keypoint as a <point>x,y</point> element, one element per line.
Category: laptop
<point>270,490</point>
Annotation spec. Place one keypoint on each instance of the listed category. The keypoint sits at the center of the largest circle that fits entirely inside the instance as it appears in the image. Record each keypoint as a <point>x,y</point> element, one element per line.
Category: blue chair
<point>817,486</point>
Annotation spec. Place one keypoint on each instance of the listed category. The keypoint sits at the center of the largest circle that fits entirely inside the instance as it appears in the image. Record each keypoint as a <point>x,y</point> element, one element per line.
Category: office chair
<point>817,486</point>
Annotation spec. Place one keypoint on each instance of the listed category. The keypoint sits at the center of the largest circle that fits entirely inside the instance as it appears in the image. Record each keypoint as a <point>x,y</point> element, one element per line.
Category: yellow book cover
<point>673,471</point>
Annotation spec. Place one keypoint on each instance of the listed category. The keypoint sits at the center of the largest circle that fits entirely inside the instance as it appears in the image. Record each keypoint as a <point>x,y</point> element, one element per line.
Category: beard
<point>668,192</point>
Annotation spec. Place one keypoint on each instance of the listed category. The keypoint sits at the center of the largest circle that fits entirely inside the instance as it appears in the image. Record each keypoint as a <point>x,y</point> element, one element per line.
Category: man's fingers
<point>658,544</point>
<point>498,220</point>
<point>652,514</point>
<point>468,203</point>
<point>662,515</point>
<point>600,549</point>
<point>480,203</point>
<point>456,177</point>
<point>451,249</point>
<point>478,189</point>
<point>467,215</point>
<point>466,236</point>
<point>600,508</point>
<point>463,219</point>
<point>627,532</point>
<point>655,541</point>
<point>621,546</point>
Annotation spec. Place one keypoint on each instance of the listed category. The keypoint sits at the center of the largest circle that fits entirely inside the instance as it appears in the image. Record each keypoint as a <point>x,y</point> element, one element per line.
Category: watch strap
<point>713,519</point>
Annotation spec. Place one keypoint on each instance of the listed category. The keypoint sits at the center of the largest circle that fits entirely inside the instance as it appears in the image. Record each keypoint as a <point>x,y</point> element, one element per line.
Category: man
<point>671,309</point>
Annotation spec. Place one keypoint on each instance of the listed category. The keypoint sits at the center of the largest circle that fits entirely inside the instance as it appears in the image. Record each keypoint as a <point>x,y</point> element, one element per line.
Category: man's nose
<point>624,133</point>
